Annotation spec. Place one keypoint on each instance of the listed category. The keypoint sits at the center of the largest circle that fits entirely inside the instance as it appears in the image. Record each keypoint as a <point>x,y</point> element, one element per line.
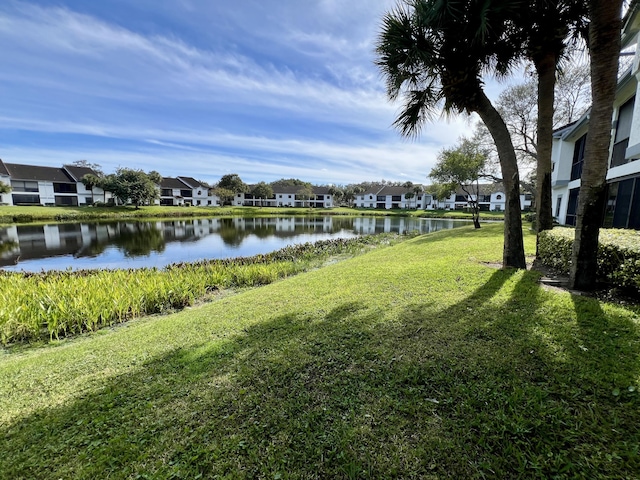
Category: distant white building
<point>288,196</point>
<point>186,191</point>
<point>392,197</point>
<point>37,185</point>
<point>491,198</point>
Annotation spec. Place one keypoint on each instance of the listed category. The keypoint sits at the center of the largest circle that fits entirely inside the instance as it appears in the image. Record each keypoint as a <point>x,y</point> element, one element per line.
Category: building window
<point>25,199</point>
<point>461,198</point>
<point>623,205</point>
<point>167,192</point>
<point>186,193</point>
<point>65,188</point>
<point>572,207</point>
<point>578,157</point>
<point>396,198</point>
<point>623,131</point>
<point>209,202</point>
<point>66,201</point>
<point>498,197</point>
<point>20,186</point>
<point>558,204</point>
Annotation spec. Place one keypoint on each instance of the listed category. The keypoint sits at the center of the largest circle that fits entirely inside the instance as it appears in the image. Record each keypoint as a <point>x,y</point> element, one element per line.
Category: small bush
<point>618,254</point>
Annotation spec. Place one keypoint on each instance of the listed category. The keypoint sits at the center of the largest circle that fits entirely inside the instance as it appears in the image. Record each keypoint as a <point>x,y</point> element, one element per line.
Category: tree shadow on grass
<point>511,381</point>
<point>531,384</point>
<point>278,399</point>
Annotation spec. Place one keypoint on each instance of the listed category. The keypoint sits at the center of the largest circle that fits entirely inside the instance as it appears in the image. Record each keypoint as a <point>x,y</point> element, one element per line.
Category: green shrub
<point>618,254</point>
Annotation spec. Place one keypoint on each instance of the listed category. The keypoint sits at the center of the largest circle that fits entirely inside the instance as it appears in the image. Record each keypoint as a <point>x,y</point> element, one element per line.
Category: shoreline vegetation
<point>417,360</point>
<point>54,304</point>
<point>18,214</point>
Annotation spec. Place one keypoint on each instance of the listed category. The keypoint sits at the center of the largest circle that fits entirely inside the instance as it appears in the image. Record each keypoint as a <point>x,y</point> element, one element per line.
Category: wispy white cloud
<point>204,88</point>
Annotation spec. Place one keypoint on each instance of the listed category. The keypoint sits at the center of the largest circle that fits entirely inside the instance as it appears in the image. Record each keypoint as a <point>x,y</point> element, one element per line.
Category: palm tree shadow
<point>519,375</point>
<point>246,406</point>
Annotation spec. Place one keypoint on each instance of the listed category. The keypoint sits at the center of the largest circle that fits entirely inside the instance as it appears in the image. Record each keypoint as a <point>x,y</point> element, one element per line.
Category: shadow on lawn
<point>279,397</point>
<point>529,390</point>
<point>493,386</point>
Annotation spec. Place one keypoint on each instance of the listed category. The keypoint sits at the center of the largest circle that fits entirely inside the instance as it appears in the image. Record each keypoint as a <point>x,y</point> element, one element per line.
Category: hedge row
<point>618,254</point>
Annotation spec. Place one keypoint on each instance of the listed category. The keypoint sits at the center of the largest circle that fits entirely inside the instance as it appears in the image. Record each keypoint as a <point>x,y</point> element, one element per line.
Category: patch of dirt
<point>551,279</point>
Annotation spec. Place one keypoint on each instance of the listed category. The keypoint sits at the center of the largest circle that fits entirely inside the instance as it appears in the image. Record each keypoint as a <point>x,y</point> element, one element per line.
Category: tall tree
<point>226,196</point>
<point>545,26</point>
<point>461,168</point>
<point>96,167</point>
<point>91,181</point>
<point>304,194</point>
<point>129,185</point>
<point>337,193</point>
<point>262,190</point>
<point>409,195</point>
<point>604,50</point>
<point>4,188</point>
<point>233,182</point>
<point>288,182</point>
<point>518,105</point>
<point>432,54</point>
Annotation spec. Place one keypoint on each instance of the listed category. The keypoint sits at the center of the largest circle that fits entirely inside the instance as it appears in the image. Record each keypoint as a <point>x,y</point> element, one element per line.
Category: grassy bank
<point>414,361</point>
<point>20,214</point>
<point>37,306</point>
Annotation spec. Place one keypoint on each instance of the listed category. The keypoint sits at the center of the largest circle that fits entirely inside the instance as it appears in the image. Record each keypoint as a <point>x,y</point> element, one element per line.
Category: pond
<point>137,244</point>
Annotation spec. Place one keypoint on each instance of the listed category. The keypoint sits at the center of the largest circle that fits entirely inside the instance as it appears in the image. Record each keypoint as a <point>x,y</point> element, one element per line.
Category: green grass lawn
<point>419,360</point>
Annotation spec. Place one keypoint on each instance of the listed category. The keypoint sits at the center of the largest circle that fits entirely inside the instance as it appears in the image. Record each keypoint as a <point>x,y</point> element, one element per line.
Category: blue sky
<point>266,89</point>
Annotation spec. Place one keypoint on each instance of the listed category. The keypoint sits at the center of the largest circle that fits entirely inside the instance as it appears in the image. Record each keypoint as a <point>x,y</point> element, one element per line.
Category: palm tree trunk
<point>513,253</point>
<point>604,50</point>
<point>546,69</point>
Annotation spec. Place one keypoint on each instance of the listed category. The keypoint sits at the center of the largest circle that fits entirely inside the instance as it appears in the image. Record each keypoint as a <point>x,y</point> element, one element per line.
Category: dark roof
<point>3,169</point>
<point>78,172</point>
<point>290,189</point>
<point>34,172</point>
<point>564,127</point>
<point>170,182</point>
<point>391,190</point>
<point>190,181</point>
<point>373,190</point>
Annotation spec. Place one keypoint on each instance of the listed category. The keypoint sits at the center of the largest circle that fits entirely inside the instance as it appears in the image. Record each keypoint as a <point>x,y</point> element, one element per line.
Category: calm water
<point>133,244</point>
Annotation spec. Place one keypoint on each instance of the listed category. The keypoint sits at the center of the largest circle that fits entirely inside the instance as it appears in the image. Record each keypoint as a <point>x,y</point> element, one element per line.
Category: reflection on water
<point>134,244</point>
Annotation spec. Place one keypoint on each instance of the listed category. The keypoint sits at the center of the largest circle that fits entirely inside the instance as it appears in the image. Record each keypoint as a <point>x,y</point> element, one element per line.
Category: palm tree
<point>604,50</point>
<point>417,190</point>
<point>91,181</point>
<point>433,54</point>
<point>546,27</point>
